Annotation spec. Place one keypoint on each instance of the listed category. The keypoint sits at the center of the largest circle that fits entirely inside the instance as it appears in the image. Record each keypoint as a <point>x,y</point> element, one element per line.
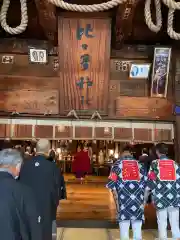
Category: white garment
<point>136,228</point>
<point>162,216</point>
<point>146,194</point>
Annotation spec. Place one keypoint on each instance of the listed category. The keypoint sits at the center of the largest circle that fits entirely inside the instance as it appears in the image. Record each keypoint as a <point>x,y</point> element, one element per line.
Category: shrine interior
<point>102,154</point>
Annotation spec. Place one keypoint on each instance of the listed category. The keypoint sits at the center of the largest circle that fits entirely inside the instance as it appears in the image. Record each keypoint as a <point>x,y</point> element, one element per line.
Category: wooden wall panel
<point>103,133</point>
<point>92,45</point>
<point>24,101</point>
<point>12,46</point>
<point>47,18</point>
<point>122,59</point>
<point>64,133</point>
<point>177,81</point>
<point>133,88</point>
<point>114,91</point>
<point>43,131</point>
<point>135,52</point>
<point>120,63</point>
<point>142,134</point>
<point>28,83</point>
<point>170,90</point>
<point>142,107</point>
<point>8,131</point>
<point>119,71</point>
<point>2,131</point>
<point>123,133</point>
<point>21,66</point>
<point>162,135</point>
<point>177,139</point>
<point>22,131</point>
<point>83,132</point>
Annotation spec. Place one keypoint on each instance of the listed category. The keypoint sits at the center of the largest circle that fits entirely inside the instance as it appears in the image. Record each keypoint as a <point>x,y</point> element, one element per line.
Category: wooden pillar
<point>84,61</point>
<point>176,68</point>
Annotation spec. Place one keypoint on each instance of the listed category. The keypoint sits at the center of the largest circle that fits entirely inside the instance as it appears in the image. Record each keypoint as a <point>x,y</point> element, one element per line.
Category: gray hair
<point>43,146</point>
<point>10,157</point>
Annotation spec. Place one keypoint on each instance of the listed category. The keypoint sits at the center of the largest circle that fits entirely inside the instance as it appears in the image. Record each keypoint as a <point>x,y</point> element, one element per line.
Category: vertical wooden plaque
<point>84,55</point>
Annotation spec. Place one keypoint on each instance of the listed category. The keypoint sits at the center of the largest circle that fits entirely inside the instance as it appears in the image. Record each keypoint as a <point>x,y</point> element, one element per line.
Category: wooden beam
<point>118,34</point>
<point>21,46</point>
<point>124,21</point>
<point>47,18</point>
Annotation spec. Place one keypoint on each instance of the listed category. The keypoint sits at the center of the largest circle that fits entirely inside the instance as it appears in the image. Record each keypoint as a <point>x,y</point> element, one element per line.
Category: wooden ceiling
<point>126,27</point>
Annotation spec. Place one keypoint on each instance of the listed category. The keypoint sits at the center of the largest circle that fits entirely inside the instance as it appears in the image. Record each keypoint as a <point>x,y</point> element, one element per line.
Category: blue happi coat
<point>130,193</point>
<point>165,193</point>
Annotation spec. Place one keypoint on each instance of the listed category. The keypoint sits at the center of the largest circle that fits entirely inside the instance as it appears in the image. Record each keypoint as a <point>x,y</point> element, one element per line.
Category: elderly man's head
<point>43,146</point>
<point>11,160</point>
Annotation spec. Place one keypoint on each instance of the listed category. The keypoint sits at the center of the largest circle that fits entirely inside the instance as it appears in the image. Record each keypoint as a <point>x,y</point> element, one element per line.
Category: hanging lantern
<point>58,150</point>
<point>116,155</point>
<point>111,151</point>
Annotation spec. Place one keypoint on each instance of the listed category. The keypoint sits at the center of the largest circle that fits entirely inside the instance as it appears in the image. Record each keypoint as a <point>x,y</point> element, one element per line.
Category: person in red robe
<point>81,165</point>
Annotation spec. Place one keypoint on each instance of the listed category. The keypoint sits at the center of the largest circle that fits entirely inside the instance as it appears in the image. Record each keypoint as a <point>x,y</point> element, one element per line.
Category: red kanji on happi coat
<point>130,170</point>
<point>167,171</point>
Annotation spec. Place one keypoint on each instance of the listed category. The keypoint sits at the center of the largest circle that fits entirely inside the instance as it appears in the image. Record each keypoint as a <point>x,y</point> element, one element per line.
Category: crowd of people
<point>31,190</point>
<point>133,180</point>
<point>30,194</point>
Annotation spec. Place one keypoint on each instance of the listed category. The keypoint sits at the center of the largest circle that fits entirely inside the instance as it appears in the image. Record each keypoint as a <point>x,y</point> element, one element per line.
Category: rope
<point>170,30</point>
<point>87,8</point>
<point>148,19</point>
<point>172,4</point>
<point>147,12</point>
<point>156,28</point>
<point>24,18</point>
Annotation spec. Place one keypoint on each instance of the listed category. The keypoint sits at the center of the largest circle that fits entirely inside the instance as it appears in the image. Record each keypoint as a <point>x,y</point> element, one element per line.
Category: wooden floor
<point>91,201</point>
<point>101,234</point>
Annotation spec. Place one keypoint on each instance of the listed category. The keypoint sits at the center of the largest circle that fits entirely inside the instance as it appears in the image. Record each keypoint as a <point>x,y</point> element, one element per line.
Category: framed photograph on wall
<point>160,72</point>
<point>139,70</point>
<point>38,55</point>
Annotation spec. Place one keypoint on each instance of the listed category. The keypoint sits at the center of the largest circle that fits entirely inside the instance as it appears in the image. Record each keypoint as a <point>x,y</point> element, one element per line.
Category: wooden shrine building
<point>106,71</point>
<point>89,75</point>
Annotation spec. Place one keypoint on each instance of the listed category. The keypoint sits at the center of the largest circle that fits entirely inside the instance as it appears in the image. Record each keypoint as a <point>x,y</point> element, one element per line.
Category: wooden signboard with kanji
<point>144,108</point>
<point>84,47</point>
<point>30,101</point>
